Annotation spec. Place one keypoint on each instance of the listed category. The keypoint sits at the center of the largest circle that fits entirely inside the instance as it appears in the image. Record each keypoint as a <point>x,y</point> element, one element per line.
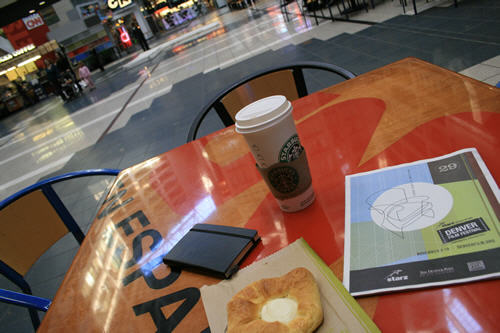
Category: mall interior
<point>148,93</point>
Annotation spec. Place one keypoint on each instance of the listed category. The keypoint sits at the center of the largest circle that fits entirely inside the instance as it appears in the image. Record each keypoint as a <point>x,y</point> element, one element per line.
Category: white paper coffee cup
<point>269,130</point>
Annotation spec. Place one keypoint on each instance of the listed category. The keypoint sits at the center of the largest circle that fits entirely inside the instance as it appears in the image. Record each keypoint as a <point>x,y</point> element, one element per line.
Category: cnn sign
<point>33,21</point>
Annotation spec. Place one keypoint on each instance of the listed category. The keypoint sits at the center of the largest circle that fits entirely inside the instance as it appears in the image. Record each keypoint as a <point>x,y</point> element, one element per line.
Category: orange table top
<point>403,112</point>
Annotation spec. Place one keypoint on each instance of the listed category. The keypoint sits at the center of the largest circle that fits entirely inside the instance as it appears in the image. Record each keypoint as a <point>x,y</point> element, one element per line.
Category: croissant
<point>290,303</point>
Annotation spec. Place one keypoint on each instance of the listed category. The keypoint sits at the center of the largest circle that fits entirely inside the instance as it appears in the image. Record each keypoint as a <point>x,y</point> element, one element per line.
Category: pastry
<point>289,303</point>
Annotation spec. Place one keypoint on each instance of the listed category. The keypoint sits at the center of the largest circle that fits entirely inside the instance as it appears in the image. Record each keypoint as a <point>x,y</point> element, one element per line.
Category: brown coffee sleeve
<point>287,179</point>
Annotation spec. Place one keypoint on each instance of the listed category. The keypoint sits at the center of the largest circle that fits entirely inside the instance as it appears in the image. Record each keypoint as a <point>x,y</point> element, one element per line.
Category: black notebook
<point>212,249</point>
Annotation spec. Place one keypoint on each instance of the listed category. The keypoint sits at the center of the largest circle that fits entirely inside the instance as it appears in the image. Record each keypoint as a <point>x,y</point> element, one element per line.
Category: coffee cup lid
<point>262,112</point>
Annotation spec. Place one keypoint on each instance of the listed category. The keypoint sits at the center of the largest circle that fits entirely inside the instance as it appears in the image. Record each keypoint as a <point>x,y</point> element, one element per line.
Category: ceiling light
<point>29,60</point>
<point>42,3</point>
<point>32,11</point>
<point>7,70</point>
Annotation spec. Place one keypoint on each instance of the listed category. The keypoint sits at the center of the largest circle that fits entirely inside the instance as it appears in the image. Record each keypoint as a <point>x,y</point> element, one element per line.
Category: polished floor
<point>145,102</point>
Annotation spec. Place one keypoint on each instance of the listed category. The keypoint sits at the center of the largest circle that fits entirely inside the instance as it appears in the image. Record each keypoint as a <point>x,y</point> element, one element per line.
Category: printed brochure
<point>421,224</point>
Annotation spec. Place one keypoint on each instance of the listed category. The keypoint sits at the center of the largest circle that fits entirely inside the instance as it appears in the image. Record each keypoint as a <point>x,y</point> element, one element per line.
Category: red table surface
<point>406,111</point>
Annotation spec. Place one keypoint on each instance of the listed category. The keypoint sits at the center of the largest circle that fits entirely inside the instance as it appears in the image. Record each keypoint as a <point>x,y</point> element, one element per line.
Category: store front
<point>23,80</point>
<point>178,12</point>
<point>86,47</point>
<point>109,32</point>
<point>120,18</point>
<point>121,27</point>
<point>93,46</point>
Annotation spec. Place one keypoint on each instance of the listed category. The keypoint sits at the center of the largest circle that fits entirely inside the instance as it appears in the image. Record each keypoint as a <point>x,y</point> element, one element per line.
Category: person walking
<point>139,36</point>
<point>63,67</point>
<point>22,91</point>
<point>97,59</point>
<point>52,77</point>
<point>62,63</point>
<point>84,73</point>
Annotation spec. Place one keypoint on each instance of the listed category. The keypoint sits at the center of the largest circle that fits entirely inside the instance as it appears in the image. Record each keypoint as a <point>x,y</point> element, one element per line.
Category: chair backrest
<point>34,218</point>
<point>31,221</point>
<point>37,227</point>
<point>275,83</point>
<point>287,80</point>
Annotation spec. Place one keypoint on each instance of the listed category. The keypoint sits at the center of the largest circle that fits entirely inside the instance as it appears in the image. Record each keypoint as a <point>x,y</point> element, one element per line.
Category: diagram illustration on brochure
<point>408,207</point>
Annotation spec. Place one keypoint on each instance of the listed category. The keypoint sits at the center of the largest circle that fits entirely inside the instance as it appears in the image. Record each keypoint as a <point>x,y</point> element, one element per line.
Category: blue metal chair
<point>24,300</point>
<point>37,214</point>
<point>287,80</point>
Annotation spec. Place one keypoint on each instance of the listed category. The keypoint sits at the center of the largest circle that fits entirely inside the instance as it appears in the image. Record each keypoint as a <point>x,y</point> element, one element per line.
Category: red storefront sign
<point>124,36</point>
<point>33,21</point>
<point>19,35</point>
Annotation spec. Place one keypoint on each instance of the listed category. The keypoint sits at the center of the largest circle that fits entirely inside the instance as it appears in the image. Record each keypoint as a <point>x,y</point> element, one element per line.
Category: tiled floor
<point>488,71</point>
<point>144,103</point>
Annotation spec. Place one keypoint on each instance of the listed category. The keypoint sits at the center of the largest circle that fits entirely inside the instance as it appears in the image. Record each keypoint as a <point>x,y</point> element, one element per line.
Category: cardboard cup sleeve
<point>287,179</point>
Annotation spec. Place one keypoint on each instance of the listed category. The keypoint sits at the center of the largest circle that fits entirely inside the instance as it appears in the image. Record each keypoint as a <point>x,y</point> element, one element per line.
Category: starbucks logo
<point>291,149</point>
<point>284,179</point>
